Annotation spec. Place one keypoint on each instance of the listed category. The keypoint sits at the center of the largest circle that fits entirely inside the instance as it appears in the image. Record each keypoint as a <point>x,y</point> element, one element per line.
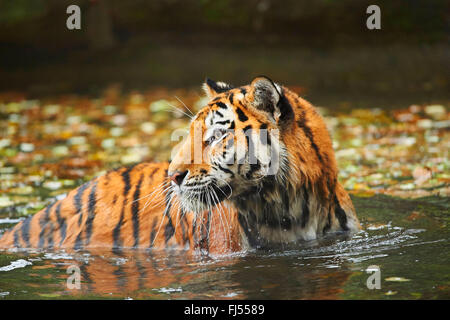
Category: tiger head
<point>235,144</point>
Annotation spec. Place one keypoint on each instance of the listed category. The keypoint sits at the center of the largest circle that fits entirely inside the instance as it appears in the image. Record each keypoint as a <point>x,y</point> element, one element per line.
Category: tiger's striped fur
<point>214,204</point>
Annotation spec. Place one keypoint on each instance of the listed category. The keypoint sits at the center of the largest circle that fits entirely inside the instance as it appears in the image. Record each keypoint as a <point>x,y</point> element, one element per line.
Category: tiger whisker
<point>164,215</point>
<point>189,110</point>
<point>153,191</point>
<point>179,110</point>
<point>158,194</point>
<point>222,213</point>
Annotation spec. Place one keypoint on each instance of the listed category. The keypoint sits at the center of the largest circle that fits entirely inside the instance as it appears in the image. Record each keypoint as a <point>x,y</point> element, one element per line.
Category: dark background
<point>321,46</point>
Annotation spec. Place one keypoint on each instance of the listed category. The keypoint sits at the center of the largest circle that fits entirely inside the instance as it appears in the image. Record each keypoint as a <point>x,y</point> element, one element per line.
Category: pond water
<point>408,240</point>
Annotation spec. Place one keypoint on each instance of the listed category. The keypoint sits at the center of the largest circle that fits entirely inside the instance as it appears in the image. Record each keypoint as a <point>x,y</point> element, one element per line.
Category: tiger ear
<point>265,94</point>
<point>212,88</point>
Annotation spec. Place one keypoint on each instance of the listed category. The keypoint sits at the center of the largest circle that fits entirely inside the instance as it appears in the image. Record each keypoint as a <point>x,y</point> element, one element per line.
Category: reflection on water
<point>411,253</point>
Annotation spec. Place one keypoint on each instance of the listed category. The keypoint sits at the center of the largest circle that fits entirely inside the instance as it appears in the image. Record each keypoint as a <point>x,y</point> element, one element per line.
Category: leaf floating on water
<point>60,151</point>
<point>53,185</point>
<point>22,190</point>
<point>397,279</point>
<point>21,263</point>
<point>435,111</point>
<point>376,226</point>
<point>415,215</point>
<point>49,295</point>
<point>421,174</point>
<point>5,202</point>
<point>148,127</point>
<point>26,147</point>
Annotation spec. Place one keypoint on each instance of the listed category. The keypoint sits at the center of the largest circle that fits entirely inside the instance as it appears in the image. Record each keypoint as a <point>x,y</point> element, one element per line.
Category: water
<point>407,239</point>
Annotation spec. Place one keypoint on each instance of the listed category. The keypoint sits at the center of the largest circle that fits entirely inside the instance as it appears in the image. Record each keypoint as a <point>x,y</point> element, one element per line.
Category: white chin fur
<point>192,205</point>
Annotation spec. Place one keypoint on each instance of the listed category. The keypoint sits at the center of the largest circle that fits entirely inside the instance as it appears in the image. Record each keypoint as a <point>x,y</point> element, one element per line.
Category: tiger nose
<point>178,177</point>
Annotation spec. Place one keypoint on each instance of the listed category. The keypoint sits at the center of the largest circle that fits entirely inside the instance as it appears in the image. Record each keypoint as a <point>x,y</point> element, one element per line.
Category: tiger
<point>256,170</point>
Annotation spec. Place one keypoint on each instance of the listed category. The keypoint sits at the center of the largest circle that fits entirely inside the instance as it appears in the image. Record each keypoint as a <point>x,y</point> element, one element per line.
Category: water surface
<point>407,239</point>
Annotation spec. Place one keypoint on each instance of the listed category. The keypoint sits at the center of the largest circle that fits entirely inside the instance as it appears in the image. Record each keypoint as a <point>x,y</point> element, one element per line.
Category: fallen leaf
<point>397,279</point>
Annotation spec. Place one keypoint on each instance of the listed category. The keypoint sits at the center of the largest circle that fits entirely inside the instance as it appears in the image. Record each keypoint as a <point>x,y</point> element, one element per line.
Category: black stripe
<point>332,184</point>
<point>114,200</point>
<point>328,225</point>
<point>253,168</point>
<point>268,185</point>
<point>126,180</point>
<point>286,111</point>
<point>127,185</point>
<point>241,115</point>
<point>43,224</point>
<point>121,280</point>
<point>222,122</point>
<point>151,174</point>
<point>252,241</point>
<point>142,274</point>
<point>153,232</point>
<point>240,165</point>
<point>232,126</point>
<point>204,242</point>
<point>194,230</point>
<point>16,239</point>
<point>117,243</point>
<point>276,220</point>
<point>183,232</point>
<point>61,223</point>
<point>78,198</point>
<point>305,207</point>
<point>50,235</point>
<point>220,114</point>
<point>86,277</point>
<point>208,224</point>
<point>78,243</point>
<point>285,198</point>
<point>80,219</point>
<point>25,230</point>
<point>225,170</point>
<point>243,91</point>
<point>307,130</point>
<point>169,230</point>
<point>221,105</point>
<point>91,213</point>
<point>231,97</point>
<point>183,228</point>
<point>135,211</point>
<point>340,215</point>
